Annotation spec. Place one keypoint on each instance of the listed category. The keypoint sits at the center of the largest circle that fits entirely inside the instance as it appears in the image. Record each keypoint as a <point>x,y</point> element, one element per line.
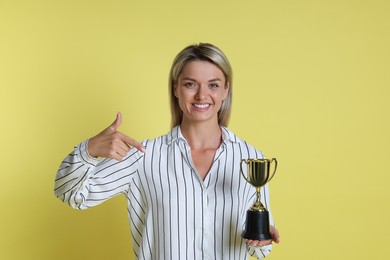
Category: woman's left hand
<point>258,243</point>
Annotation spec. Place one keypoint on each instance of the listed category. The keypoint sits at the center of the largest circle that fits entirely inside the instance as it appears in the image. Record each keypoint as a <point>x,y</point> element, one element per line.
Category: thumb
<point>115,125</point>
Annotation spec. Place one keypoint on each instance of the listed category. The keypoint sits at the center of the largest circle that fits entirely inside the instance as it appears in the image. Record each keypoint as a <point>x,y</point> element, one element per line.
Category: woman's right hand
<point>111,143</point>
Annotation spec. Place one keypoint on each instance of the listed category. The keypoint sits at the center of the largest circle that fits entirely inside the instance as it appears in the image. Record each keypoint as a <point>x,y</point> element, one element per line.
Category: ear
<point>175,89</point>
<point>227,86</point>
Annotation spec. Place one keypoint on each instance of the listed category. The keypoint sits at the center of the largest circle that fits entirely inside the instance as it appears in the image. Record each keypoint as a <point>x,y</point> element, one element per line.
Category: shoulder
<point>231,139</point>
<point>162,140</point>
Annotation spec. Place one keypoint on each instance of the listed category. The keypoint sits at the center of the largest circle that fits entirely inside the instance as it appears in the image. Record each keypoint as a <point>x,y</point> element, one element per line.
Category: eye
<point>213,85</point>
<point>190,84</point>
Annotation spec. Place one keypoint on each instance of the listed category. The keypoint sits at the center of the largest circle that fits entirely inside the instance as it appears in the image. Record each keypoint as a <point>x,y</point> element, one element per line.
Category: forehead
<point>201,70</point>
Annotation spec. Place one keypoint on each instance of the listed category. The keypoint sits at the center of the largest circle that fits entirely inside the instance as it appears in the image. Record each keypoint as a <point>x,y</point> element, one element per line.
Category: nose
<point>201,93</point>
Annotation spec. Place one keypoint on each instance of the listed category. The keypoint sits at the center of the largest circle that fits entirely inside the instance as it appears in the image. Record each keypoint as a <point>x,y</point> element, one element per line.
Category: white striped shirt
<point>173,213</point>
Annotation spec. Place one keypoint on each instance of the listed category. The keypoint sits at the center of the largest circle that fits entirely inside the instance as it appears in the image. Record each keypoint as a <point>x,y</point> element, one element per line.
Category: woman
<point>186,196</point>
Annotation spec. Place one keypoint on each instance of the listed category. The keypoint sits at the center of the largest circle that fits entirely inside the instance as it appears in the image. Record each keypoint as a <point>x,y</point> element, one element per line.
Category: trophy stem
<point>258,206</point>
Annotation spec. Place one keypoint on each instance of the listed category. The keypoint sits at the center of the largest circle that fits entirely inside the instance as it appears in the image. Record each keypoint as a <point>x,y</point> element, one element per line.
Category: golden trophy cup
<point>257,217</point>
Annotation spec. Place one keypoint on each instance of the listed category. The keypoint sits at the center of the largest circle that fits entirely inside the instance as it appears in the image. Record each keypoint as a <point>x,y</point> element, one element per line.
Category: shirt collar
<point>176,135</point>
<point>228,136</point>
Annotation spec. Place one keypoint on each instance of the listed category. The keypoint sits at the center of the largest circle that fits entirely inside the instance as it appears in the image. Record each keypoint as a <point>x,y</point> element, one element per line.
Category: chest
<point>182,180</point>
<point>203,161</point>
<point>175,174</point>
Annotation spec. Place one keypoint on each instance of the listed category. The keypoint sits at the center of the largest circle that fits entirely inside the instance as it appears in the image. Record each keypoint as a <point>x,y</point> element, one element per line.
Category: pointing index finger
<point>131,142</point>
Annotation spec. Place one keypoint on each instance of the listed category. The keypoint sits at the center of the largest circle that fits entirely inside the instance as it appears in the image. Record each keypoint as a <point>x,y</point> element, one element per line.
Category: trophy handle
<point>276,166</point>
<point>242,172</point>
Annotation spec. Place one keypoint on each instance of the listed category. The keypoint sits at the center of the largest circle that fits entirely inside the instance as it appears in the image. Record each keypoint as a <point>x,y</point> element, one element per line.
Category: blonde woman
<point>186,196</point>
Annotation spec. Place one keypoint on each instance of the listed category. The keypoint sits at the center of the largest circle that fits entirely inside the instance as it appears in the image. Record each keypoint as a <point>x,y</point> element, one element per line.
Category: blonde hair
<point>202,52</point>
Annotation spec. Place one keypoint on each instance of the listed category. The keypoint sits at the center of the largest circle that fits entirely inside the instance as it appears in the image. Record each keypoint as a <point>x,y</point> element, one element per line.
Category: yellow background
<point>311,87</point>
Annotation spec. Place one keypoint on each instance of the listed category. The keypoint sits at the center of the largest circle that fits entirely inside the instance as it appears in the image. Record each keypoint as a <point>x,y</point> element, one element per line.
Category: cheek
<point>221,96</point>
<point>185,94</point>
<point>183,98</point>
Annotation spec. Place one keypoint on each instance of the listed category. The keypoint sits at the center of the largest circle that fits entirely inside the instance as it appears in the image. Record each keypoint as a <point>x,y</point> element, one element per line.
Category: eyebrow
<point>211,80</point>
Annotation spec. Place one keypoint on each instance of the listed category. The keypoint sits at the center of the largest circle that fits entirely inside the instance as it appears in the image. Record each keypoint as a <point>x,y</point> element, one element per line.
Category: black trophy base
<point>257,226</point>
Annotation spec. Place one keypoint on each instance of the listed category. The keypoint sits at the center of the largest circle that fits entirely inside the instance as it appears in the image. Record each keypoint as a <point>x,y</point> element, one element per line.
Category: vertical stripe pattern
<point>173,213</point>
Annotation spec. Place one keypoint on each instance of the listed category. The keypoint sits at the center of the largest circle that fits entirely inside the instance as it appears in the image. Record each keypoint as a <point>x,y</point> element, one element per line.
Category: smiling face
<point>200,90</point>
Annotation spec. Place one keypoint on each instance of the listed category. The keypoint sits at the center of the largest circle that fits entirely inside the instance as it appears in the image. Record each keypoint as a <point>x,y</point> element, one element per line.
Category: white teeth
<point>201,106</point>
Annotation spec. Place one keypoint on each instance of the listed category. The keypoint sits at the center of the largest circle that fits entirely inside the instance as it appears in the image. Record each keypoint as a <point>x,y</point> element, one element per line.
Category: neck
<point>202,136</point>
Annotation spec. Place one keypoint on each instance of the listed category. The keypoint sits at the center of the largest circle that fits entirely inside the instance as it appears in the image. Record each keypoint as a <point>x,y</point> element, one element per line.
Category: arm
<point>83,180</point>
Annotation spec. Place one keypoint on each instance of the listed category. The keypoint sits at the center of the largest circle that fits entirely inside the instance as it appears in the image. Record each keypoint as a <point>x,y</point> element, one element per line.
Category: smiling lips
<point>201,106</point>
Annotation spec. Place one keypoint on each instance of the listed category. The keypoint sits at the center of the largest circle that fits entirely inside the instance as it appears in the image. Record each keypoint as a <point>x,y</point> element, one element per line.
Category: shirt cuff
<point>260,252</point>
<point>84,155</point>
